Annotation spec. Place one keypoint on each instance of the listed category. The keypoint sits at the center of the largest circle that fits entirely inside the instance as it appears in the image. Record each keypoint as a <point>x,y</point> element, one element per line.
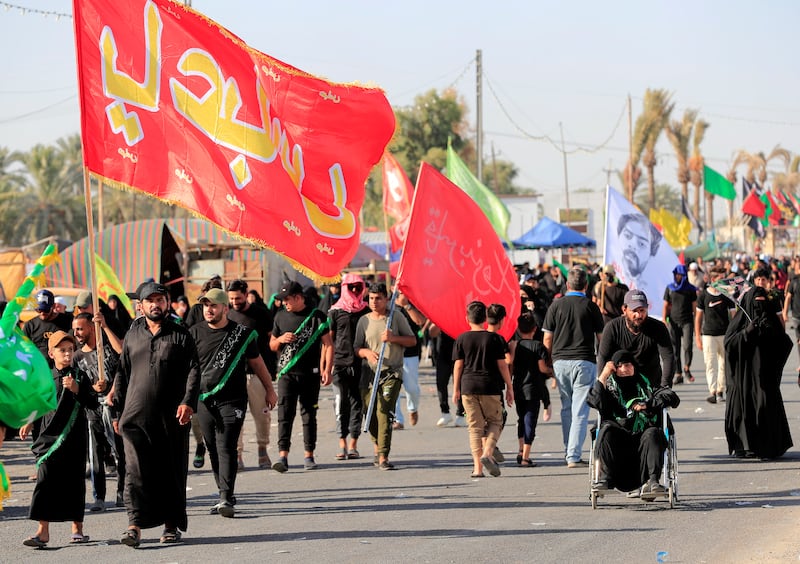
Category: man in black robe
<point>756,350</point>
<point>157,388</point>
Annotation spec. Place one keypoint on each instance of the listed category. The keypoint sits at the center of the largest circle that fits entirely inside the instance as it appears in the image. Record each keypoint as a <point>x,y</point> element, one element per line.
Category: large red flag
<point>752,205</point>
<point>176,106</point>
<point>397,189</point>
<point>453,256</point>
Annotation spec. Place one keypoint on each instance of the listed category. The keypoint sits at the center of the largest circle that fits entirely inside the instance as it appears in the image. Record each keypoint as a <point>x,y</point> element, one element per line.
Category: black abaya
<point>755,354</point>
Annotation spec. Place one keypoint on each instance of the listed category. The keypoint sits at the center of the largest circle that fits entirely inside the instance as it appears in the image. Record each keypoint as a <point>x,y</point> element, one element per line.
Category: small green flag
<point>717,184</point>
<point>561,267</point>
<point>768,209</point>
<point>461,176</point>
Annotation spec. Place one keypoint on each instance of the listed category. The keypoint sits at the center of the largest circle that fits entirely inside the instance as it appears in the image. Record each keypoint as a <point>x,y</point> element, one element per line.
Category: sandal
<point>78,538</point>
<point>477,475</point>
<point>131,537</point>
<point>342,454</point>
<point>35,542</point>
<point>527,463</point>
<point>170,536</point>
<point>688,374</point>
<point>353,455</point>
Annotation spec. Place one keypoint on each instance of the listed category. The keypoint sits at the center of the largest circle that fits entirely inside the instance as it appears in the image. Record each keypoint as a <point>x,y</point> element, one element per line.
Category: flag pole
<point>376,379</point>
<point>87,193</point>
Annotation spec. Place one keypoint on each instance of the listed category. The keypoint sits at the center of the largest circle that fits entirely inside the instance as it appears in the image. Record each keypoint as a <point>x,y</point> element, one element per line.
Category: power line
<point>40,110</point>
<point>579,149</point>
<point>435,80</point>
<point>23,10</point>
<point>45,91</point>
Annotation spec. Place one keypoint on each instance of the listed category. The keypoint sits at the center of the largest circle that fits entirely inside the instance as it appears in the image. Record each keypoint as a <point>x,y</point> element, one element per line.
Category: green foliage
<point>667,197</point>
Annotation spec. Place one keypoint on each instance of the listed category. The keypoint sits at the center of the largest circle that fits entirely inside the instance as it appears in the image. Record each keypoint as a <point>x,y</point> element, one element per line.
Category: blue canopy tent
<point>547,234</point>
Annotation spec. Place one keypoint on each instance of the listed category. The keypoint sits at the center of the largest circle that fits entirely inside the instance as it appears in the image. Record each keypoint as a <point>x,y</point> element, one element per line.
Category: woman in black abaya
<point>756,350</point>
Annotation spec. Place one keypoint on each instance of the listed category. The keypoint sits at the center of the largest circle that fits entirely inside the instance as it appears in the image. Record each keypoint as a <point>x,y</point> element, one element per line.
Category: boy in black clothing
<point>530,370</point>
<point>479,372</point>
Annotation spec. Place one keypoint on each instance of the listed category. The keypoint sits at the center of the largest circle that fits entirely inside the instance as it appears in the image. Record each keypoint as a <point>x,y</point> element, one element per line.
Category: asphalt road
<point>430,510</point>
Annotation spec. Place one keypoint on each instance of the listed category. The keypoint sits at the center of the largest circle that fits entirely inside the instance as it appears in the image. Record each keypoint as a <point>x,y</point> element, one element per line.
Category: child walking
<point>479,371</point>
<point>60,448</point>
<point>529,374</point>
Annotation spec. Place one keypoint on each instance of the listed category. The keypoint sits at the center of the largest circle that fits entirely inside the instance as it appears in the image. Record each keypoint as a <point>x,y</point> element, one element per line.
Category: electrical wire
<point>435,80</point>
<point>547,138</point>
<point>25,10</point>
<point>40,110</point>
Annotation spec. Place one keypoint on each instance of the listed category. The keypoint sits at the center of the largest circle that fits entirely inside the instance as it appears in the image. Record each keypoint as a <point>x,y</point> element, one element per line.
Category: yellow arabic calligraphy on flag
<point>180,108</point>
<point>676,231</point>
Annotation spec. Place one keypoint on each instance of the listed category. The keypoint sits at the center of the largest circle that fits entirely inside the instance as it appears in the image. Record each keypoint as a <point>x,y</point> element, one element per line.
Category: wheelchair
<point>669,472</point>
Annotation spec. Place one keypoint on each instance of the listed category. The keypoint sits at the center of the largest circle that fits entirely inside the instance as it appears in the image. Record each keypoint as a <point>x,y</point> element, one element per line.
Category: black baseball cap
<point>289,288</point>
<point>634,299</point>
<point>149,288</point>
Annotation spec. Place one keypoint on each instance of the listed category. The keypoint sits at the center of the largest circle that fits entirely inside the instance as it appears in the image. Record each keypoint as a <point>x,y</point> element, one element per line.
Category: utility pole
<point>608,172</point>
<point>630,151</point>
<point>479,112</point>
<point>566,177</point>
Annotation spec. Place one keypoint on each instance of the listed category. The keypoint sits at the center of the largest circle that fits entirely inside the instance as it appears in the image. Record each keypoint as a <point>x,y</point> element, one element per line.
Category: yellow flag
<point>108,284</point>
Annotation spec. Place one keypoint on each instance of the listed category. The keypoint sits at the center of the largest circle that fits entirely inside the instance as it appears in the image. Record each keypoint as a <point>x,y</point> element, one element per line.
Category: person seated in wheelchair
<point>630,442</point>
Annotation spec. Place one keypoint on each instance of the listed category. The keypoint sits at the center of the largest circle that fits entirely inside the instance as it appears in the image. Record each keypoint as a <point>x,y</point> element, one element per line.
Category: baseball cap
<point>609,269</point>
<point>57,338</point>
<point>84,299</point>
<point>215,296</point>
<point>45,301</point>
<point>289,288</point>
<point>634,299</point>
<point>149,288</point>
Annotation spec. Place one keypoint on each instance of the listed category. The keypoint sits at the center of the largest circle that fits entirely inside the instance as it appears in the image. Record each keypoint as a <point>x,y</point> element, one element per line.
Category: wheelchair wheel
<point>594,496</point>
<point>673,471</point>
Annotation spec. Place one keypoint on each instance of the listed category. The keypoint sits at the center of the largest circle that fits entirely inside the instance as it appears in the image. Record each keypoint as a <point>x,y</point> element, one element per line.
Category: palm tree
<point>10,181</point>
<point>49,198</point>
<point>658,107</point>
<point>696,163</point>
<point>679,134</point>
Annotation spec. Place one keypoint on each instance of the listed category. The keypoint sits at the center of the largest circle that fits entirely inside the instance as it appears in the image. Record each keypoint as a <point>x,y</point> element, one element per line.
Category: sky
<point>547,66</point>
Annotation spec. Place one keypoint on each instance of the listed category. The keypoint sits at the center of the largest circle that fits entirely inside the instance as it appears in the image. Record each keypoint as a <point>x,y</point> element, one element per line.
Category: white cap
<point>693,266</point>
<point>61,300</point>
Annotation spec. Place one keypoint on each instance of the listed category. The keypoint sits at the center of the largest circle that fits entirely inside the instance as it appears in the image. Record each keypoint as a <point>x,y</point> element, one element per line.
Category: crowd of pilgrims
<point>744,344</point>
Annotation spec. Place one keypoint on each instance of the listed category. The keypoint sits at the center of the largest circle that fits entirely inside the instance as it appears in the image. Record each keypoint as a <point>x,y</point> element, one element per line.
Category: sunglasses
<point>355,287</point>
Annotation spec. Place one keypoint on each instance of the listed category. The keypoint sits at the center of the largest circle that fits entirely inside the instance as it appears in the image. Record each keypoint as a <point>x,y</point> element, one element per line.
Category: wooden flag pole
<point>87,192</point>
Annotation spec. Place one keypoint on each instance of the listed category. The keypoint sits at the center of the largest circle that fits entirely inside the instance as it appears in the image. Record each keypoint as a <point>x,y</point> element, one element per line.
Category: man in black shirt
<point>791,303</point>
<point>678,313</point>
<point>46,323</point>
<point>609,294</point>
<point>302,339</point>
<point>711,321</point>
<point>646,337</point>
<point>571,327</point>
<point>260,320</point>
<point>222,346</point>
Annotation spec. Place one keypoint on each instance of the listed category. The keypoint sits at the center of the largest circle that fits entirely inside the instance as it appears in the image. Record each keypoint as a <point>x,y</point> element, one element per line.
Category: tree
<point>10,182</point>
<point>657,110</point>
<point>679,134</point>
<point>631,176</point>
<point>52,204</point>
<point>667,197</point>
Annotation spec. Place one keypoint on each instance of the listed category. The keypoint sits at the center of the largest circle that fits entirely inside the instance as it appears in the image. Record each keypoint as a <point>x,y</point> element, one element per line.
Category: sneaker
<point>199,456</point>
<point>498,456</point>
<point>491,466</point>
<point>120,501</point>
<point>98,505</point>
<point>651,490</point>
<point>281,465</point>
<point>413,417</point>
<point>460,421</point>
<point>577,464</point>
<point>678,379</point>
<point>720,398</point>
<point>635,494</point>
<point>444,420</point>
<point>386,465</point>
<point>600,485</point>
<point>309,464</point>
<point>711,399</point>
<point>263,459</point>
<point>224,509</point>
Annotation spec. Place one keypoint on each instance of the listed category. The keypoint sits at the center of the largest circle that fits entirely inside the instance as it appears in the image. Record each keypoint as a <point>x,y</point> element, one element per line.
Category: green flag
<point>717,184</point>
<point>461,176</point>
<point>561,267</point>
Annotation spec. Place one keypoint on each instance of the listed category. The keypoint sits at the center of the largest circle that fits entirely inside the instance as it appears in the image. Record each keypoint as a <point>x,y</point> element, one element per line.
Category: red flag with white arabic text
<point>453,256</point>
<point>176,106</point>
<point>397,189</point>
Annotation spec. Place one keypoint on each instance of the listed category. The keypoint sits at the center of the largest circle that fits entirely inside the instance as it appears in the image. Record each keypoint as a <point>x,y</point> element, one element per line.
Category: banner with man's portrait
<point>641,256</point>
